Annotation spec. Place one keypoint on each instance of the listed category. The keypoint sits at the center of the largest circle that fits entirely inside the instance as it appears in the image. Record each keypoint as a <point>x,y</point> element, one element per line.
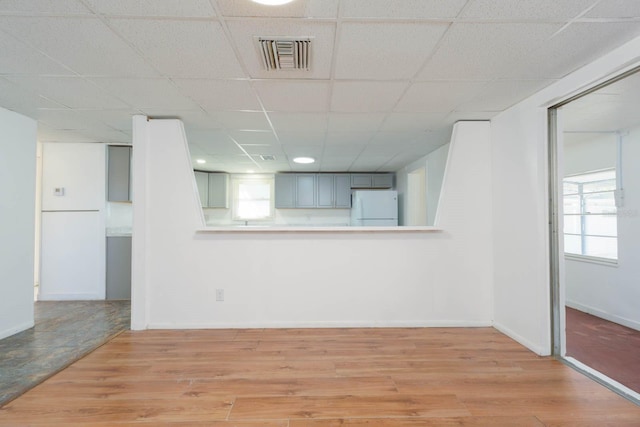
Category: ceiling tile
<point>263,138</point>
<point>121,120</point>
<point>220,95</point>
<point>67,119</point>
<point>554,10</point>
<point>241,120</point>
<point>343,150</point>
<point>213,142</point>
<point>22,99</point>
<point>86,45</point>
<point>192,119</point>
<point>146,93</point>
<point>163,43</point>
<point>297,9</point>
<point>502,94</point>
<point>44,7</point>
<point>72,92</point>
<point>244,32</point>
<point>293,96</point>
<point>402,137</point>
<point>156,8</point>
<point>412,122</point>
<point>615,9</point>
<point>438,96</point>
<point>18,58</point>
<point>361,97</point>
<point>301,138</point>
<point>314,122</point>
<point>347,122</point>
<point>374,50</point>
<point>258,150</point>
<point>410,9</point>
<point>463,54</point>
<point>575,46</point>
<point>347,138</point>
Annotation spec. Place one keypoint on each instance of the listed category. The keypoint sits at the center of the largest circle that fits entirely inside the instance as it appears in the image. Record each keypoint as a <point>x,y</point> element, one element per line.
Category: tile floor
<point>64,332</point>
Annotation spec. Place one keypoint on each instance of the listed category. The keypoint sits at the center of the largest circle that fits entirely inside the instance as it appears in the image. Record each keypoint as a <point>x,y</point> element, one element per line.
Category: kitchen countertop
<point>292,229</point>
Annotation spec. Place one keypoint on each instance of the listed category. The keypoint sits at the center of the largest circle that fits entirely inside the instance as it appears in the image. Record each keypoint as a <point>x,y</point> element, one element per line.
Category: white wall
<point>611,292</point>
<point>434,164</point>
<point>298,279</point>
<point>17,219</point>
<point>520,205</point>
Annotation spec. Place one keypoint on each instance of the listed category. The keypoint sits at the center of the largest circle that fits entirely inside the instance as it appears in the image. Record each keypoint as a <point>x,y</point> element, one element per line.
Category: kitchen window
<point>590,215</point>
<point>252,197</point>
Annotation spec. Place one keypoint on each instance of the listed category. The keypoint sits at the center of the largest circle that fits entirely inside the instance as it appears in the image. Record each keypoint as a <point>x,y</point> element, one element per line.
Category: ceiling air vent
<point>267,157</point>
<point>285,53</point>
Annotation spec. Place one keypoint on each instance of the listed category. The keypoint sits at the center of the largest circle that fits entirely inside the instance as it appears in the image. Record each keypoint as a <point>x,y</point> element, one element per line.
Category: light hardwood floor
<point>318,378</point>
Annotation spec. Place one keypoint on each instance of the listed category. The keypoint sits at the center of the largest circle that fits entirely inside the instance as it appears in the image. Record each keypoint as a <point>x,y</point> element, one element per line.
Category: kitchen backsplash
<point>291,217</point>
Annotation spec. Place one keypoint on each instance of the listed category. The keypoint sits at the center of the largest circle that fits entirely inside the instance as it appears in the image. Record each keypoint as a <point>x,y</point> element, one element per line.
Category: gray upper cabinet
<point>218,190</point>
<point>119,173</point>
<point>202,181</point>
<point>213,189</point>
<point>382,180</point>
<point>285,190</point>
<point>372,180</point>
<point>342,190</point>
<point>311,190</point>
<point>326,191</point>
<point>306,190</point>
<point>361,180</point>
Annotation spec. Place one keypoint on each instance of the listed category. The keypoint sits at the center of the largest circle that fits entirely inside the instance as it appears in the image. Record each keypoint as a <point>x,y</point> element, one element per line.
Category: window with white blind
<point>252,197</point>
<point>590,215</point>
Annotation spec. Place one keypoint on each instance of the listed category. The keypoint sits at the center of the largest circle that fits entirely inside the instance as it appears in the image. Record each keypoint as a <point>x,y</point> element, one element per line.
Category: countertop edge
<point>347,229</point>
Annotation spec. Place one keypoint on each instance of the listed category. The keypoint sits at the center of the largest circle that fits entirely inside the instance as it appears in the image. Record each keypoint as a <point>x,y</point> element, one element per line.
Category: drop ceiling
<point>387,78</point>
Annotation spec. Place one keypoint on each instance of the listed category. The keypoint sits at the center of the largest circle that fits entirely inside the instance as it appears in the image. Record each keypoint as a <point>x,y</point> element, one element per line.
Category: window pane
<point>602,225</point>
<point>569,187</point>
<point>254,209</point>
<point>253,190</point>
<point>606,185</point>
<point>572,224</point>
<point>603,247</point>
<point>572,244</point>
<point>572,204</point>
<point>600,203</point>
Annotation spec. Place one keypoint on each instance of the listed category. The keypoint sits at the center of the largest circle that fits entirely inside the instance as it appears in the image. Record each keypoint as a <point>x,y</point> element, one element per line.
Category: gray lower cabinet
<point>118,268</point>
<point>118,173</point>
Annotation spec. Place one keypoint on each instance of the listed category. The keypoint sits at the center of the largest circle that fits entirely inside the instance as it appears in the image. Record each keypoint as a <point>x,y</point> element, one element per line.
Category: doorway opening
<point>594,146</point>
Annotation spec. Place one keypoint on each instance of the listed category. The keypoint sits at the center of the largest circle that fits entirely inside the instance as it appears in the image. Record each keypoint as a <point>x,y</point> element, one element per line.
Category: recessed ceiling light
<point>273,2</point>
<point>304,160</point>
<point>201,161</point>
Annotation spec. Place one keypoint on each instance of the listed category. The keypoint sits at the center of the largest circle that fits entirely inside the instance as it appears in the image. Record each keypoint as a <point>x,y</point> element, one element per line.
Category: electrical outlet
<point>219,294</point>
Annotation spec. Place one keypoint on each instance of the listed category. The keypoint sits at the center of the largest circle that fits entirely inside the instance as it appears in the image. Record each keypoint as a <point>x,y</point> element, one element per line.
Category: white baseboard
<point>320,324</point>
<point>536,348</point>
<point>604,315</point>
<point>15,329</point>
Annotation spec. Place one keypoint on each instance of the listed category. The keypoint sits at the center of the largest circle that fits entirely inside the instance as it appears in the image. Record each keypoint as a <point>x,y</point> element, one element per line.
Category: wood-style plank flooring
<point>318,378</point>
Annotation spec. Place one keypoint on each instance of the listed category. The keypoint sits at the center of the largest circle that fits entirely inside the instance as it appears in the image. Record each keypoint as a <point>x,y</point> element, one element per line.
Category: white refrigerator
<point>374,208</point>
